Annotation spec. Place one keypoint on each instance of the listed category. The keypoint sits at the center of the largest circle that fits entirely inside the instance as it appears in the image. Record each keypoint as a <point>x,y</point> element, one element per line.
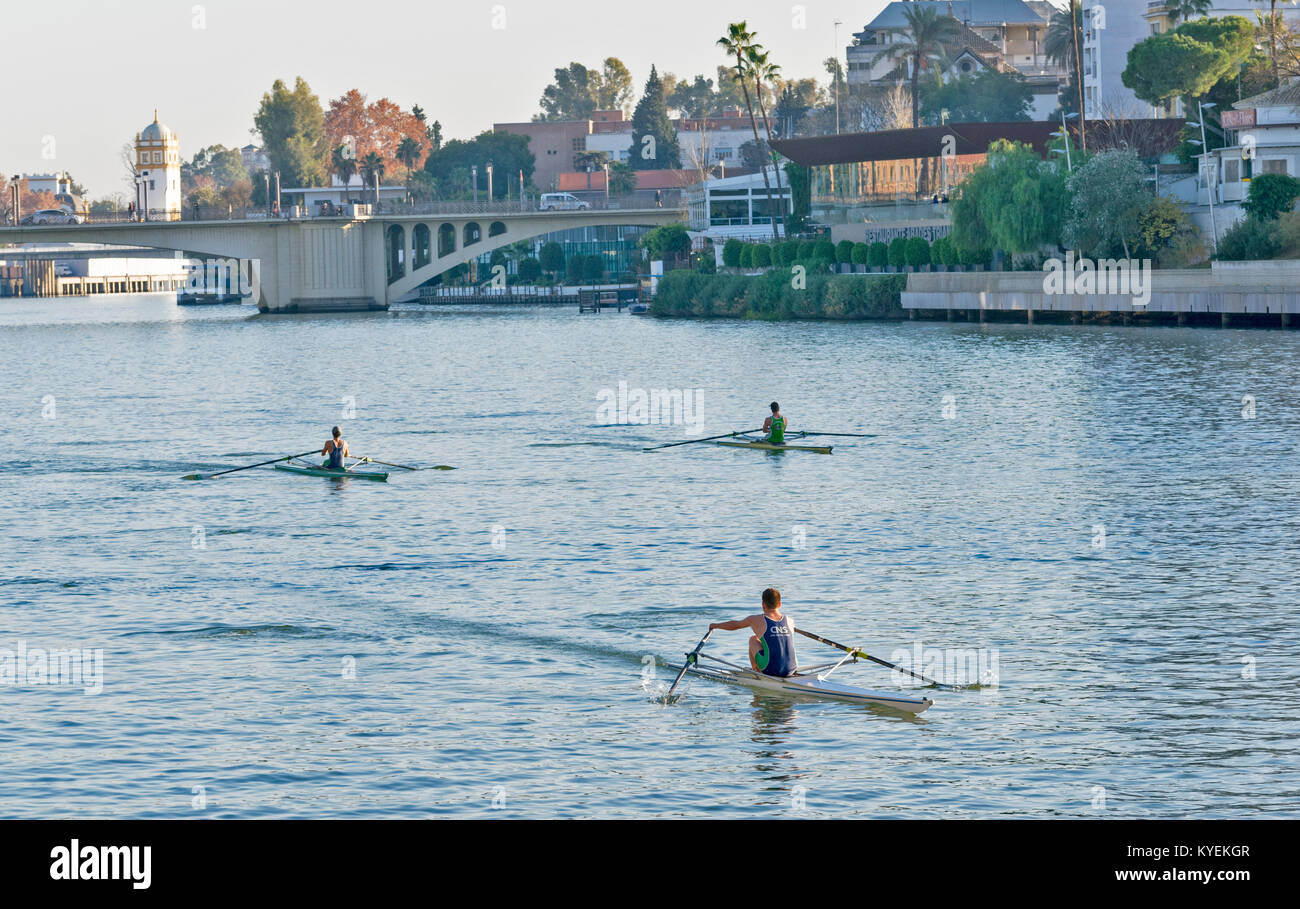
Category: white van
<point>561,202</point>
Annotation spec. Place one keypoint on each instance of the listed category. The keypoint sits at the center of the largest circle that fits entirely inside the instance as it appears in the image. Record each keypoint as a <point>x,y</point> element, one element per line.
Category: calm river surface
<point>1093,505</point>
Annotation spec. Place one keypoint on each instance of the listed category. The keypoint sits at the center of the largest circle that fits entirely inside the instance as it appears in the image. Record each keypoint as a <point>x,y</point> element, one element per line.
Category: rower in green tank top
<point>774,426</point>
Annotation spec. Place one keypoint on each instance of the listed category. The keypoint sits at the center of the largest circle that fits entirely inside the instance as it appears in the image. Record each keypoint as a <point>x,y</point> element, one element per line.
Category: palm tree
<point>1273,21</point>
<point>344,164</point>
<point>1186,10</point>
<point>736,42</point>
<point>1058,43</point>
<point>372,170</point>
<point>929,33</point>
<point>765,71</point>
<point>408,152</point>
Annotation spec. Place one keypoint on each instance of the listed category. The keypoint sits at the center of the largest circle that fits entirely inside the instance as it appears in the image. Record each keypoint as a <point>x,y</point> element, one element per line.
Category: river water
<point>1110,514</point>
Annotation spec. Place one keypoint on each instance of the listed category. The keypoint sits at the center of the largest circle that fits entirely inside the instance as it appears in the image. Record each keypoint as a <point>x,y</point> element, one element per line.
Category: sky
<point>84,76</point>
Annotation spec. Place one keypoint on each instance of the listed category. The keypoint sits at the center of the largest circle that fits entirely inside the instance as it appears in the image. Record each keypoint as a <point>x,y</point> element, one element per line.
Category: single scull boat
<point>768,446</point>
<point>338,474</point>
<point>806,681</point>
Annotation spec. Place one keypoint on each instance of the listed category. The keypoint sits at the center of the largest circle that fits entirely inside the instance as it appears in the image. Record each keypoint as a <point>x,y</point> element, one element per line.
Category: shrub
<point>844,252</point>
<point>746,259</point>
<point>807,250</point>
<point>1253,238</point>
<point>1271,195</point>
<point>824,251</point>
<point>731,253</point>
<point>787,253</point>
<point>593,269</point>
<point>918,252</point>
<point>552,258</point>
<point>762,256</point>
<point>898,252</point>
<point>941,252</point>
<point>861,253</point>
<point>877,255</point>
<point>529,270</point>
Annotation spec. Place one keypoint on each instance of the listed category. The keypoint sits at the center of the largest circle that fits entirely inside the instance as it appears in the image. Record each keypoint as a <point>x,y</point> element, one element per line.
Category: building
<point>331,197</point>
<point>255,159</point>
<point>558,146</point>
<point>1009,33</point>
<point>737,207</point>
<point>1265,134</point>
<point>158,173</point>
<point>1109,32</point>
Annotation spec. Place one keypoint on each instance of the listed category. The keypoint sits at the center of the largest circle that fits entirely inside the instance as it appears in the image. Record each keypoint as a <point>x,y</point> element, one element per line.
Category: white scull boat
<point>809,681</point>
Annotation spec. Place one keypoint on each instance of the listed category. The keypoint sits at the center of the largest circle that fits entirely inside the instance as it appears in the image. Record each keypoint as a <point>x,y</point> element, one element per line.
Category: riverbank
<point>780,295</point>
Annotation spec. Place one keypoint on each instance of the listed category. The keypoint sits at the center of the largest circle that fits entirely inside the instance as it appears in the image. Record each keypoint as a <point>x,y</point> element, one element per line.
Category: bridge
<point>357,262</point>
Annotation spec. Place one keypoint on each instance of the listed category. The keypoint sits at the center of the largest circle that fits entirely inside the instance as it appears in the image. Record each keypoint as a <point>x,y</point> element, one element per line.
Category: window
<point>1275,166</point>
<point>157,157</point>
<point>1231,171</point>
<point>579,144</point>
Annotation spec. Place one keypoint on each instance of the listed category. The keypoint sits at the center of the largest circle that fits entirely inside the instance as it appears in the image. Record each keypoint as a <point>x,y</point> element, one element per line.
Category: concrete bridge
<point>323,264</point>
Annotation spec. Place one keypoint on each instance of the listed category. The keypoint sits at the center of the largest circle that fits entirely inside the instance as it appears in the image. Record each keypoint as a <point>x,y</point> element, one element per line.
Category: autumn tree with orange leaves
<point>377,127</point>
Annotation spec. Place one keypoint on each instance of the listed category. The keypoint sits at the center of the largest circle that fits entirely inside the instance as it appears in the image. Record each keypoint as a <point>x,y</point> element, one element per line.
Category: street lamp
<point>606,166</point>
<point>489,173</point>
<point>473,171</point>
<point>835,77</point>
<point>1211,172</point>
<point>1065,133</point>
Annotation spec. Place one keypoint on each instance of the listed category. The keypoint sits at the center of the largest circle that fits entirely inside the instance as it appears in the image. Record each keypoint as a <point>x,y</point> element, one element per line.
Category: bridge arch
<point>472,234</point>
<point>446,239</point>
<point>420,246</point>
<point>496,228</point>
<point>395,242</point>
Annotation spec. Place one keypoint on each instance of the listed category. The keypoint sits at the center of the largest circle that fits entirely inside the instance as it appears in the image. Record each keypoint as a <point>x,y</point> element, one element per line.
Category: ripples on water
<point>515,672</point>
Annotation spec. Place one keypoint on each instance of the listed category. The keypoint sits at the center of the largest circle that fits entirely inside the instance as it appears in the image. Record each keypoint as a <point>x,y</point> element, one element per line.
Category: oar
<point>725,435</point>
<point>221,473</point>
<point>404,467</point>
<point>866,656</point>
<point>842,435</point>
<point>691,659</point>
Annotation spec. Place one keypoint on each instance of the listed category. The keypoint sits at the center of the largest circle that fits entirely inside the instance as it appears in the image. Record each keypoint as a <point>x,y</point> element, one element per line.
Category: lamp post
<point>1211,173</point>
<point>606,166</point>
<point>489,175</point>
<point>835,77</point>
<point>1065,135</point>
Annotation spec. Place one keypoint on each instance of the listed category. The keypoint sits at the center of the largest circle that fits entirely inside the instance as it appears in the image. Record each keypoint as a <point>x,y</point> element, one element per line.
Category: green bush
<point>762,256</point>
<point>844,252</point>
<point>918,252</point>
<point>771,296</point>
<point>1249,240</point>
<point>1271,195</point>
<point>747,255</point>
<point>824,252</point>
<point>529,270</point>
<point>878,255</point>
<point>787,253</point>
<point>940,252</point>
<point>552,258</point>
<point>731,253</point>
<point>898,252</point>
<point>807,250</point>
<point>593,269</point>
<point>861,253</point>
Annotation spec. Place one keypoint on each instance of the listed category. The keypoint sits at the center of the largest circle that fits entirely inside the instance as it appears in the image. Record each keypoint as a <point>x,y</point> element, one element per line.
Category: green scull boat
<point>768,446</point>
<point>336,474</point>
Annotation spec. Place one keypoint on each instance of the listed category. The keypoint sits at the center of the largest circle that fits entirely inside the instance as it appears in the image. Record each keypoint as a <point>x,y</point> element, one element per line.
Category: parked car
<point>52,216</point>
<point>561,202</point>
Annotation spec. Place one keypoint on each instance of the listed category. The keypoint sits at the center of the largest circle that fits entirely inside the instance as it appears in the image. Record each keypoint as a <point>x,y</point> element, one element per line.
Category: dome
<point>155,131</point>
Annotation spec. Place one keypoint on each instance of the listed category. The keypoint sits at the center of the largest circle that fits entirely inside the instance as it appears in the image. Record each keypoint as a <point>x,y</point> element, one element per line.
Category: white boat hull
<point>811,686</point>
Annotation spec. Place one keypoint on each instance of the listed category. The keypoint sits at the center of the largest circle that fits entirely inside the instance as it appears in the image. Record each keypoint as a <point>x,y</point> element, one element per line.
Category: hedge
<point>918,252</point>
<point>878,255</point>
<point>772,296</point>
<point>731,253</point>
<point>898,252</point>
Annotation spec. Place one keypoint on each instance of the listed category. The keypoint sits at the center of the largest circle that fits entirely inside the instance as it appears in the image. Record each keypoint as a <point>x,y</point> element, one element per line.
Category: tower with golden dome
<point>158,172</point>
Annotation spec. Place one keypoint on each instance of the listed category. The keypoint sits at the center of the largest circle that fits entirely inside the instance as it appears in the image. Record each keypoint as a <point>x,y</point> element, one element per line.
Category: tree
<point>408,152</point>
<point>898,252</point>
<point>671,241</point>
<point>435,135</point>
<point>878,255</point>
<point>987,97</point>
<point>1190,60</point>
<point>737,43</point>
<point>223,166</point>
<point>1187,9</point>
<point>291,124</point>
<point>622,179</point>
<point>551,257</point>
<point>1271,195</point>
<point>693,99</point>
<point>765,71</point>
<point>929,34</point>
<point>571,96</point>
<point>1165,231</point>
<point>918,252</point>
<point>529,270</point>
<point>1109,194</point>
<point>372,171</point>
<point>1274,24</point>
<point>1015,201</point>
<point>343,162</point>
<point>614,90</point>
<point>449,166</point>
<point>381,127</point>
<point>654,141</point>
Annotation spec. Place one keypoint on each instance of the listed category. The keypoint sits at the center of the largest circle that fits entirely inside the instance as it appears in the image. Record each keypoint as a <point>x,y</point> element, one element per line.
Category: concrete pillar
<point>1030,312</point>
<point>1224,320</point>
<point>983,316</point>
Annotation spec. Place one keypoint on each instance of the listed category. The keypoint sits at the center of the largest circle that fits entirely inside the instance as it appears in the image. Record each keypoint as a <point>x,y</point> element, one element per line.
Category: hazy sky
<point>83,76</point>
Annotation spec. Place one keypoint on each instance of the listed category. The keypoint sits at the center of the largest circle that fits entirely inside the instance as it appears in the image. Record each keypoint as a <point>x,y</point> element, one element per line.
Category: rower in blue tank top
<point>771,649</point>
<point>335,450</point>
